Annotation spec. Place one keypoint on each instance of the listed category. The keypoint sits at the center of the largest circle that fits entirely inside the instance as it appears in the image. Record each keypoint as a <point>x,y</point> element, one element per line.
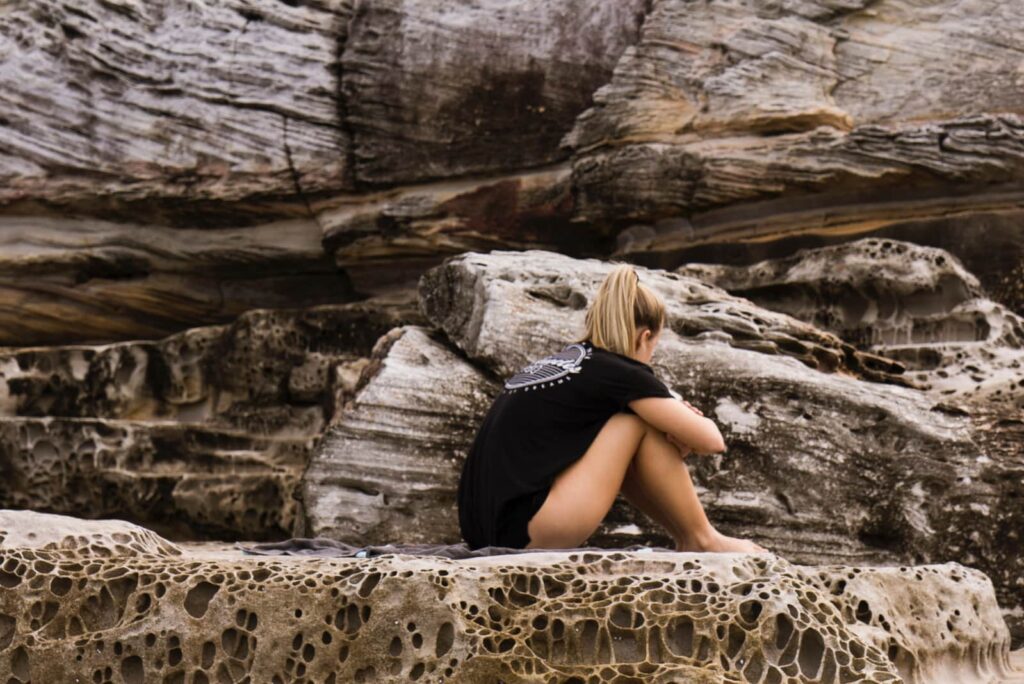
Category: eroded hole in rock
<point>445,639</point>
<point>812,650</point>
<point>198,598</point>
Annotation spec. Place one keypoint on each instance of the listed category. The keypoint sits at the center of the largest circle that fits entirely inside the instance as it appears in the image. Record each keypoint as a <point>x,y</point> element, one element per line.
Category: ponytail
<point>621,307</point>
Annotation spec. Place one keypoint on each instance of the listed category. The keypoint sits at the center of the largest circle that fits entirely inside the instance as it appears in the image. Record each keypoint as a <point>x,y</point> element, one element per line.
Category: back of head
<point>621,307</point>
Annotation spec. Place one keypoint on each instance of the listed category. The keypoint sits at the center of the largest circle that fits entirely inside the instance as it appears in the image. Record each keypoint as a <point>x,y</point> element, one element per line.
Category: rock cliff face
<point>386,129</point>
<point>110,601</point>
<point>226,312</point>
<point>727,104</point>
<point>917,477</point>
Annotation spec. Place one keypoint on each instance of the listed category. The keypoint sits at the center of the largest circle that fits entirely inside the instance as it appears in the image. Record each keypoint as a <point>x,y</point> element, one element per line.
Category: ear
<point>643,336</point>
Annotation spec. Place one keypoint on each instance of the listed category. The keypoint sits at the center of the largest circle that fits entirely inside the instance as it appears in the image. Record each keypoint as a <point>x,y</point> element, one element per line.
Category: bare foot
<point>720,543</point>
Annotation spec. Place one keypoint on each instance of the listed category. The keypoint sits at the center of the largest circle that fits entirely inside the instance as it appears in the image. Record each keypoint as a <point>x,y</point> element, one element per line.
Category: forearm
<point>710,427</point>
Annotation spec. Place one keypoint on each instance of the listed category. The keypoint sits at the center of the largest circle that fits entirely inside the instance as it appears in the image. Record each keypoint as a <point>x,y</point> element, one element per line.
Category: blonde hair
<point>621,307</point>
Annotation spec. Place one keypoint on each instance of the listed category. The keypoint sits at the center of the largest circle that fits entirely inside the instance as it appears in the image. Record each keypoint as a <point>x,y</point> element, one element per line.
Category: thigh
<point>581,494</point>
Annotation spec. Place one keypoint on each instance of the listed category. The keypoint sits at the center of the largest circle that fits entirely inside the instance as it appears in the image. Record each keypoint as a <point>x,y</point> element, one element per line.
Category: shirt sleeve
<point>634,382</point>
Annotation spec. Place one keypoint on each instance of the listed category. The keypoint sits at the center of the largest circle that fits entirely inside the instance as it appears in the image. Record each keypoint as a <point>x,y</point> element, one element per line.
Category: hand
<point>684,450</point>
<point>692,407</point>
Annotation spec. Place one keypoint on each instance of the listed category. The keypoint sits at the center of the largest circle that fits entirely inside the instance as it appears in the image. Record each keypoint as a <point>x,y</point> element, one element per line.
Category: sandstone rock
<point>236,375</point>
<point>187,481</point>
<point>723,104</point>
<point>449,217</point>
<point>520,290</point>
<point>990,245</point>
<point>202,434</point>
<point>821,467</point>
<point>387,471</point>
<point>28,531</point>
<point>425,98</point>
<point>170,101</point>
<point>65,280</point>
<point>659,616</point>
<point>900,300</point>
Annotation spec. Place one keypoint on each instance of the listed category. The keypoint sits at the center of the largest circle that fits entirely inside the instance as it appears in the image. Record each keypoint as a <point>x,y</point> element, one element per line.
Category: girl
<point>572,430</point>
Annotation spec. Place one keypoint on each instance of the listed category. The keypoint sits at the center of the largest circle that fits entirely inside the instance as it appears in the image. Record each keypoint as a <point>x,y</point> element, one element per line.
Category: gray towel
<point>329,548</point>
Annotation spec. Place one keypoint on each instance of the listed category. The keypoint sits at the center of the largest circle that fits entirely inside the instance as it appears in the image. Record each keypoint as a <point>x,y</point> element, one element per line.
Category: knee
<point>630,421</point>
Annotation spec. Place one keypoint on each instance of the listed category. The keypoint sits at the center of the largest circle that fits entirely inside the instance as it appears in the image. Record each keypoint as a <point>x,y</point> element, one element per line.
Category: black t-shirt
<point>545,418</point>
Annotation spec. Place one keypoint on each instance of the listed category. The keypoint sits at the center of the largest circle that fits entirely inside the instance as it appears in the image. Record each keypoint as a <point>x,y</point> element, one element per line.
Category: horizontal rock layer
<point>728,102</point>
<point>104,610</point>
<point>201,434</point>
<point>900,300</point>
<point>66,280</point>
<point>136,101</point>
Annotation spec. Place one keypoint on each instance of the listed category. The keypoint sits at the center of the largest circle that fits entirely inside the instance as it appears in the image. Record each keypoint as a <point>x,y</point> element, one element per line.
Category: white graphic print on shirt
<point>550,370</point>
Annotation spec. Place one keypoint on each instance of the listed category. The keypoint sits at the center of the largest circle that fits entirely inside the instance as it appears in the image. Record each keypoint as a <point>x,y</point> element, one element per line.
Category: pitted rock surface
<point>203,434</point>
<point>897,299</point>
<point>535,617</point>
<point>74,537</point>
<point>473,296</point>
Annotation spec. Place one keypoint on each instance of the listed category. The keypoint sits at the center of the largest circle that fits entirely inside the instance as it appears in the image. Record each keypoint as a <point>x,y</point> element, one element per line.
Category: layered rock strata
<point>114,602</point>
<point>110,102</point>
<point>723,104</point>
<point>897,299</point>
<point>67,280</point>
<point>203,433</point>
<point>388,469</point>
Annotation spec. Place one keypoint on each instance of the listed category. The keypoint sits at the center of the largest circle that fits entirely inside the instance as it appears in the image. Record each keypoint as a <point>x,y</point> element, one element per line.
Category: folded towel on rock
<point>329,548</point>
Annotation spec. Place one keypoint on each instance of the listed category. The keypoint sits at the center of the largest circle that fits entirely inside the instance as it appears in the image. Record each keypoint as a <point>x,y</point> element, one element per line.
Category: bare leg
<point>582,494</point>
<point>661,482</point>
<point>634,492</point>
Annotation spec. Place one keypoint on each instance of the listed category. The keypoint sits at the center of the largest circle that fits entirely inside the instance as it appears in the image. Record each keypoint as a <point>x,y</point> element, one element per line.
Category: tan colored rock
<point>201,434</point>
<point>658,616</point>
<point>501,309</point>
<point>186,481</point>
<point>821,466</point>
<point>896,299</point>
<point>388,469</point>
<point>170,101</point>
<point>67,280</point>
<point>29,531</point>
<point>392,228</point>
<point>721,107</point>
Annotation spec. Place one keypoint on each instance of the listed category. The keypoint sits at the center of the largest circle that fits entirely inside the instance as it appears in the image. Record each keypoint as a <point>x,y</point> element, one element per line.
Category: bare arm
<point>684,424</point>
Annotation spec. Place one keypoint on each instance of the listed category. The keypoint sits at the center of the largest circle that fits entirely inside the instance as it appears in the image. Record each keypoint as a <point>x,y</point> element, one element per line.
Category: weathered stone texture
<point>388,469</point>
<point>449,217</point>
<point>821,466</point>
<point>67,280</point>
<point>202,434</point>
<point>124,612</point>
<point>911,303</point>
<point>425,96</point>
<point>720,104</point>
<point>170,100</point>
